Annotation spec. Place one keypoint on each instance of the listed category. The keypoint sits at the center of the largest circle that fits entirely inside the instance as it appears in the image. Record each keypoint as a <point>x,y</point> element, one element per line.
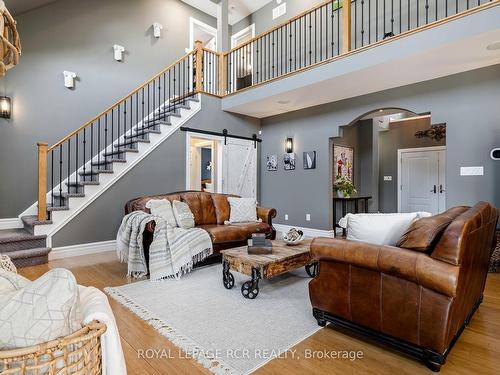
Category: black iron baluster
<point>362,23</point>
<point>52,176</point>
<point>409,12</point>
<point>91,142</point>
<point>60,171</point>
<point>119,128</point>
<point>106,134</point>
<point>98,139</point>
<point>426,11</point>
<point>310,39</point>
<point>400,18</point>
<point>84,148</point>
<point>418,18</point>
<point>76,158</point>
<point>112,128</point>
<point>69,169</point>
<point>369,21</point>
<point>124,121</point>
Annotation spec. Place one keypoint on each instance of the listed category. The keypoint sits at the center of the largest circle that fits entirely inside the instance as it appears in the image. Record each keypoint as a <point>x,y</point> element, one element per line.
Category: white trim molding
<point>82,249</point>
<point>309,232</point>
<point>11,223</point>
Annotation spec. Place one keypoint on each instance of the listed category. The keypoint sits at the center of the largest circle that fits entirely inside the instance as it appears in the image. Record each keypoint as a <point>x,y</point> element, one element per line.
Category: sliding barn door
<point>239,168</point>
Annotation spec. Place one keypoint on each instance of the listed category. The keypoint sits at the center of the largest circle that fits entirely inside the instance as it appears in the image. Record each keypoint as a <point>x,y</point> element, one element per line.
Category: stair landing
<point>24,248</point>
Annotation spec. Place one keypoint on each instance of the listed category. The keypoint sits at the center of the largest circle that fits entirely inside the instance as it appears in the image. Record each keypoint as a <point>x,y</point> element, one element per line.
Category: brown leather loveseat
<point>210,211</point>
<point>417,301</point>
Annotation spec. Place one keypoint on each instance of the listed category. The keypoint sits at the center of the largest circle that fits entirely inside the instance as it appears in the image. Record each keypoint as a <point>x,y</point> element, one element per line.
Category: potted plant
<point>344,187</point>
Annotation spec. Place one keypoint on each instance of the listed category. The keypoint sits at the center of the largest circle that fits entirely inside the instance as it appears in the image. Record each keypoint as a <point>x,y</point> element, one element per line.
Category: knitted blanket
<point>173,252</point>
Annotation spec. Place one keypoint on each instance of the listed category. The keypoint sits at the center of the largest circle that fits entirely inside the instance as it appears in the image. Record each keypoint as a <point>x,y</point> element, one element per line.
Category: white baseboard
<point>11,223</point>
<point>309,232</point>
<point>82,249</point>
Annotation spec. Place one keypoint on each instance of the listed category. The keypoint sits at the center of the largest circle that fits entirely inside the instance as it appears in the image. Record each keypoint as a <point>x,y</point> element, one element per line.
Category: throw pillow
<point>11,281</point>
<point>243,210</point>
<point>163,209</point>
<point>379,229</point>
<point>183,215</point>
<point>43,310</point>
<point>423,234</point>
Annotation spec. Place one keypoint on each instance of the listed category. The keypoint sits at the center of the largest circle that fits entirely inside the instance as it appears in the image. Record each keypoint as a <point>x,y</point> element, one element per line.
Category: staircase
<point>80,167</point>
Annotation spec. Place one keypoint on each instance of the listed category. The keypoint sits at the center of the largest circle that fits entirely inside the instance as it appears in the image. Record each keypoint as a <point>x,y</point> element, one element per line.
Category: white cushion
<point>42,310</point>
<point>11,281</point>
<point>163,209</point>
<point>183,215</point>
<point>243,210</point>
<point>379,229</point>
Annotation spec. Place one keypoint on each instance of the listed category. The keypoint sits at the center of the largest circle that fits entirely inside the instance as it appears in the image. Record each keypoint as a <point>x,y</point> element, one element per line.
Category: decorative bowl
<point>293,237</point>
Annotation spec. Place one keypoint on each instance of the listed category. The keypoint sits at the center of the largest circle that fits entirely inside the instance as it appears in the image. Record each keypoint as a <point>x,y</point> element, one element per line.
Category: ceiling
<point>238,9</point>
<point>16,7</point>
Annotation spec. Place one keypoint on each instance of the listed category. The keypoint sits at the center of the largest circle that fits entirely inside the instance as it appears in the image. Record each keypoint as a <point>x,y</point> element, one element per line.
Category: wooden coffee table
<point>283,259</point>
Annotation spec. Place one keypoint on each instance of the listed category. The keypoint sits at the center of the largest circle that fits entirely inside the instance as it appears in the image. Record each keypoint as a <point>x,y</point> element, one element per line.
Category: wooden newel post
<point>198,46</point>
<point>346,26</point>
<point>222,74</point>
<point>42,181</point>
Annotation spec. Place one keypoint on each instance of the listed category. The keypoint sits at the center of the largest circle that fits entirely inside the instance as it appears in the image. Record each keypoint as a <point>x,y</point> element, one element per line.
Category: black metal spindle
<point>60,171</point>
<point>69,169</point>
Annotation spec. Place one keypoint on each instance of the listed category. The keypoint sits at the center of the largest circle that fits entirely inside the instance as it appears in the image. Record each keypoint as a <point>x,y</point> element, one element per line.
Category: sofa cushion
<point>201,206</point>
<point>243,210</point>
<point>222,207</point>
<point>163,209</point>
<point>183,215</point>
<point>42,310</point>
<point>256,227</point>
<point>225,233</point>
<point>379,229</point>
<point>423,234</point>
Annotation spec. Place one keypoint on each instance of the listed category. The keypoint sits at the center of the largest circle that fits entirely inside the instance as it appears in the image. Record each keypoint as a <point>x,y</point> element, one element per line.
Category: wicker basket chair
<point>78,353</point>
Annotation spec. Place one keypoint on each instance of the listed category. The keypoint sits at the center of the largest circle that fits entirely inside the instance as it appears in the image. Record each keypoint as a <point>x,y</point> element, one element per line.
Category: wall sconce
<point>69,79</point>
<point>118,52</point>
<point>289,145</point>
<point>157,28</point>
<point>5,106</point>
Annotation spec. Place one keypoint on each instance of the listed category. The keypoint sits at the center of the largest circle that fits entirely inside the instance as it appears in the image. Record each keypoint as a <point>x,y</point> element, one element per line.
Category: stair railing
<point>74,161</point>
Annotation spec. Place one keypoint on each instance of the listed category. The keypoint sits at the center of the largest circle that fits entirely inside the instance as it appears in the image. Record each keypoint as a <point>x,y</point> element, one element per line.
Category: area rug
<point>225,332</point>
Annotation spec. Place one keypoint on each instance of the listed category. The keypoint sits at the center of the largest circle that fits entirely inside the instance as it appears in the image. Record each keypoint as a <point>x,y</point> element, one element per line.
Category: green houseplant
<point>344,187</point>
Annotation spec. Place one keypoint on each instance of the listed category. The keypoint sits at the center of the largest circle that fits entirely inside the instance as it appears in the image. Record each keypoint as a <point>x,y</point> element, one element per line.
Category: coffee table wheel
<point>312,269</point>
<point>227,277</point>
<point>249,289</point>
<point>228,280</point>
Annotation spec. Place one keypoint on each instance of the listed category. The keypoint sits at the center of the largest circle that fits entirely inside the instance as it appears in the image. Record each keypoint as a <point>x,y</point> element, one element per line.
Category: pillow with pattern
<point>11,281</point>
<point>183,215</point>
<point>42,310</point>
<point>243,210</point>
<point>163,209</point>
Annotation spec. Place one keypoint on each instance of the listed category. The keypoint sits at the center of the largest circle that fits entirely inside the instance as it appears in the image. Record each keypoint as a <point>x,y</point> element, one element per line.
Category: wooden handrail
<point>88,123</point>
<point>42,181</point>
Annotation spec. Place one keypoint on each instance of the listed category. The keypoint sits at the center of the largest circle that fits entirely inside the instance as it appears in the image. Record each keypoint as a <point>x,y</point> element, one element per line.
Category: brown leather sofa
<point>417,302</point>
<point>210,211</point>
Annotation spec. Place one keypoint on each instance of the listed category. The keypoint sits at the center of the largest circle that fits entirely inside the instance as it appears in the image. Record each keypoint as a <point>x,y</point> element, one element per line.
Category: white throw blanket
<point>173,252</point>
<point>95,306</point>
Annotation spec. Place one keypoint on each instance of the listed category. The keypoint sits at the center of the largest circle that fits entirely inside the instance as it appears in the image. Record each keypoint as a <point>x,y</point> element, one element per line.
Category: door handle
<point>441,190</point>
<point>434,190</point>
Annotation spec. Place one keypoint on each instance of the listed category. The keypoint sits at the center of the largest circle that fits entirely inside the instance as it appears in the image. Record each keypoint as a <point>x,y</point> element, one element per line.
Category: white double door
<point>422,180</point>
<point>239,168</point>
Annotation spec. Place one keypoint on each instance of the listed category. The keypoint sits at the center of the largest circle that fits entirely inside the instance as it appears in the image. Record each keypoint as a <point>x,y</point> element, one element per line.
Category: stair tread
<point>29,253</point>
<point>106,162</point>
<point>57,208</point>
<point>69,195</point>
<point>33,220</point>
<point>82,183</point>
<point>18,234</point>
<point>95,171</point>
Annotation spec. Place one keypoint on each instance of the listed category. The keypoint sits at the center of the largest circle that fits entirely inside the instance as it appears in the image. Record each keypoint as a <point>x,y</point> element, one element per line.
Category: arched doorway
<point>396,157</point>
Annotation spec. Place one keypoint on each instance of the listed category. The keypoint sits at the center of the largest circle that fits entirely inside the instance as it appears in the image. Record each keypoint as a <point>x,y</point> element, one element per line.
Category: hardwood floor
<point>477,351</point>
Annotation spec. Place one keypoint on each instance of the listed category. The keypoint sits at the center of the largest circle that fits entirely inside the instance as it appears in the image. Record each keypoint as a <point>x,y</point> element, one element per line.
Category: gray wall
<point>163,171</point>
<point>467,102</point>
<point>402,136</point>
<point>263,18</point>
<point>78,36</point>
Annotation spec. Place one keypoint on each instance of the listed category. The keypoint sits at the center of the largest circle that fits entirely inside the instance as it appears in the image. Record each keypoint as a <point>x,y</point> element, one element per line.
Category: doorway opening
<point>203,167</point>
<point>244,76</point>
<point>201,31</point>
<point>396,157</point>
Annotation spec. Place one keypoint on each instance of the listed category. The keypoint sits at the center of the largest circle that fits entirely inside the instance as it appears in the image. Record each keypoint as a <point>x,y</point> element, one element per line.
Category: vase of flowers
<point>344,187</point>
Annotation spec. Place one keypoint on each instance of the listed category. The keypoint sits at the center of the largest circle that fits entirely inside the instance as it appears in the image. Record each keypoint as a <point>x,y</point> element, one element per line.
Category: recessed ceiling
<point>238,9</point>
<point>16,7</point>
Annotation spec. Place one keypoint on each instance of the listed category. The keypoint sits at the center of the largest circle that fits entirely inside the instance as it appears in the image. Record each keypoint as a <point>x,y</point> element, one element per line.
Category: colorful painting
<point>343,162</point>
<point>272,162</point>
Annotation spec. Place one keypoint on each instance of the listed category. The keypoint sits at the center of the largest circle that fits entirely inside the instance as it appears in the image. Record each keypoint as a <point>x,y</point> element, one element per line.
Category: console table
<point>344,208</point>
